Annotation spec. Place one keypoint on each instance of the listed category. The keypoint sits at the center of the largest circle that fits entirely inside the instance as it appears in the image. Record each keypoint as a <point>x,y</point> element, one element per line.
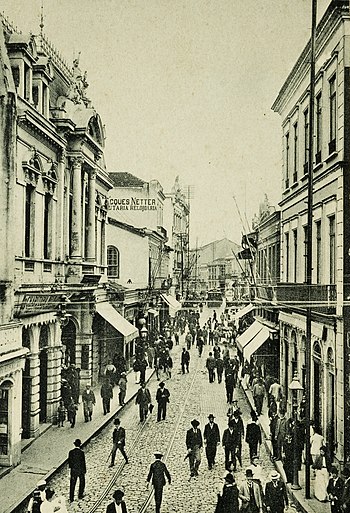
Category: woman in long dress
<point>322,466</point>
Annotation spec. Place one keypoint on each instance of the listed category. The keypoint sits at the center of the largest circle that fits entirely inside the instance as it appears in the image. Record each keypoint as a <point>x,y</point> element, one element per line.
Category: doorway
<point>68,339</point>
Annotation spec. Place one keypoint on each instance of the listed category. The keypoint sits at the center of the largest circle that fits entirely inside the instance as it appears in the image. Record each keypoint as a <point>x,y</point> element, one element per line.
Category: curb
<point>278,464</point>
<point>19,504</point>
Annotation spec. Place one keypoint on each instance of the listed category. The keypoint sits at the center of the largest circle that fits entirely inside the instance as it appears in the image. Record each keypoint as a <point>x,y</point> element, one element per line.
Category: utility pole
<point>309,251</point>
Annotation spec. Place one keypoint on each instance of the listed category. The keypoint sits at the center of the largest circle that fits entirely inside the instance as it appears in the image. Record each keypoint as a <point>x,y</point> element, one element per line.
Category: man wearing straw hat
<point>276,498</point>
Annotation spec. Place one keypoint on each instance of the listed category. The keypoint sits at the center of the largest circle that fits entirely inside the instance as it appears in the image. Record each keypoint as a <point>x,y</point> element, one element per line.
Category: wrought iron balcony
<point>321,298</point>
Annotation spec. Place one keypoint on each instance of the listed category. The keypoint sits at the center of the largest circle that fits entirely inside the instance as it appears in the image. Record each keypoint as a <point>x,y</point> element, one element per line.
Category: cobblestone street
<point>191,397</point>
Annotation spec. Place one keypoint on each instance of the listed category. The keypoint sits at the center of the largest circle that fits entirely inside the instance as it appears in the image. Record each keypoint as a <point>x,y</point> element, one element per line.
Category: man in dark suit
<point>143,399</point>
<point>276,498</point>
<point>212,439</point>
<point>162,398</point>
<point>157,472</point>
<point>118,501</point>
<point>185,360</point>
<point>335,490</point>
<point>77,465</point>
<point>118,442</point>
<point>345,499</point>
<point>194,444</point>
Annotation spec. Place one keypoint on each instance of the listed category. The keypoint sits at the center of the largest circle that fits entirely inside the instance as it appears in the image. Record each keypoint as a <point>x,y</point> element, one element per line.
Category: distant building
<point>215,267</point>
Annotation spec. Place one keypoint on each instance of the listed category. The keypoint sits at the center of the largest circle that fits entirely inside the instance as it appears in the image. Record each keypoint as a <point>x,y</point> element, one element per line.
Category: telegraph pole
<point>309,251</point>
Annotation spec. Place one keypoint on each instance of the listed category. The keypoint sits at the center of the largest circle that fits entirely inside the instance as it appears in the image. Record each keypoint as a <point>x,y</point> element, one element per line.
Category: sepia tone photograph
<point>175,256</point>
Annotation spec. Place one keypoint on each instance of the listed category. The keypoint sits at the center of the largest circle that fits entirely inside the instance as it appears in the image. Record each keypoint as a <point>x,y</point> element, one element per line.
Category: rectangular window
<point>318,251</point>
<point>318,128</point>
<point>287,160</point>
<point>296,153</point>
<point>16,75</point>
<point>332,249</point>
<point>295,244</point>
<point>332,115</point>
<point>29,221</point>
<point>287,257</point>
<point>305,252</point>
<point>47,227</point>
<point>306,140</point>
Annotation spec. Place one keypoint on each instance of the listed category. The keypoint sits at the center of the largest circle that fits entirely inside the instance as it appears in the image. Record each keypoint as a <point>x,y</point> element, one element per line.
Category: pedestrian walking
<point>142,364</point>
<point>188,340</point>
<point>276,498</point>
<point>194,444</point>
<point>281,432</point>
<point>185,360</point>
<point>122,384</point>
<point>250,495</point>
<point>72,412</point>
<point>169,365</point>
<point>118,442</point>
<point>37,498</point>
<point>110,373</point>
<point>288,453</point>
<point>257,470</point>
<point>219,368</point>
<point>228,498</point>
<point>345,499</point>
<point>107,395</point>
<point>229,384</point>
<point>216,351</point>
<point>335,490</point>
<point>253,436</point>
<point>118,505</point>
<point>322,467</point>
<point>150,356</point>
<point>77,465</point>
<point>157,473</point>
<point>316,442</point>
<point>211,437</point>
<point>89,402</point>
<point>143,399</point>
<point>61,414</point>
<point>200,344</point>
<point>162,398</point>
<point>177,339</point>
<point>210,365</point>
<point>258,395</point>
<point>276,391</point>
<point>229,443</point>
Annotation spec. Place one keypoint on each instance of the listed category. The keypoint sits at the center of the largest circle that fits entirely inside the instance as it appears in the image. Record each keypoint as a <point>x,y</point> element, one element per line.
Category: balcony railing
<point>321,298</point>
<point>266,292</point>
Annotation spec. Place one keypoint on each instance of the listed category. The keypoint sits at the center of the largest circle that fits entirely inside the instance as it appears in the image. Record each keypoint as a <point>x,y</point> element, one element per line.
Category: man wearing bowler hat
<point>77,465</point>
<point>118,505</point>
<point>158,472</point>
<point>250,495</point>
<point>194,444</point>
<point>276,498</point>
<point>211,437</point>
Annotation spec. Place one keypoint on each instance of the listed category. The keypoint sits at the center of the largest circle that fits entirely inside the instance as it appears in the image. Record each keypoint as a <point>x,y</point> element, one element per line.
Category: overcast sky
<point>185,87</point>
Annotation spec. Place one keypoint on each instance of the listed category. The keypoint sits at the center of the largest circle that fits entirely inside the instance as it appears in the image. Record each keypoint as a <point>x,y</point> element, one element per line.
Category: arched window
<point>113,262</point>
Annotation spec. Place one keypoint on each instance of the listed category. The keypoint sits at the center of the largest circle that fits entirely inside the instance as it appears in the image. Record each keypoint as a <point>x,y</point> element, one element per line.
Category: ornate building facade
<point>55,192</point>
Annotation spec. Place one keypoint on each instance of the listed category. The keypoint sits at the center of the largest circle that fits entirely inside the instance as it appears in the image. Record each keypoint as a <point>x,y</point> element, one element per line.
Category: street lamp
<point>294,387</point>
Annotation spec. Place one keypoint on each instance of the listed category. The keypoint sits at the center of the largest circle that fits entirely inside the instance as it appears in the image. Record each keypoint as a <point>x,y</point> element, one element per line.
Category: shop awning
<point>244,311</point>
<point>174,305</point>
<point>153,312</point>
<point>110,314</point>
<point>256,342</point>
<point>248,335</point>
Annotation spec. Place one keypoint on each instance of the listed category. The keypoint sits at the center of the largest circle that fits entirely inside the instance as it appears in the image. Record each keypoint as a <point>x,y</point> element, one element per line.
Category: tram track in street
<point>104,497</point>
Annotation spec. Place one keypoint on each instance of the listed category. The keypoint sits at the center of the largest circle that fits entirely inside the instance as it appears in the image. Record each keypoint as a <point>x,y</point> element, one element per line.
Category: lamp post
<point>294,387</point>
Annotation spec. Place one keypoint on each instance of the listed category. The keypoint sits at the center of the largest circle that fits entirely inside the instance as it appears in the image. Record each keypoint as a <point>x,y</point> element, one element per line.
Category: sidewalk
<point>297,496</point>
<point>45,454</point>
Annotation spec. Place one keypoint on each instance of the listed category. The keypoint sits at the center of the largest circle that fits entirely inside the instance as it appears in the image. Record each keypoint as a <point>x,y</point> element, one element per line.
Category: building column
<point>54,372</point>
<point>77,210</point>
<point>90,242</point>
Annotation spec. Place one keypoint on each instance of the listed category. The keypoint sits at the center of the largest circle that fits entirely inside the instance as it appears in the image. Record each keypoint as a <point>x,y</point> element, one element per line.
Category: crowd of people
<point>251,496</point>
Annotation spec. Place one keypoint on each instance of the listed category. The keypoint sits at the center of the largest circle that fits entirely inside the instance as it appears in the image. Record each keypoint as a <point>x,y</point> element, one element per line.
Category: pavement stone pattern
<point>195,495</point>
